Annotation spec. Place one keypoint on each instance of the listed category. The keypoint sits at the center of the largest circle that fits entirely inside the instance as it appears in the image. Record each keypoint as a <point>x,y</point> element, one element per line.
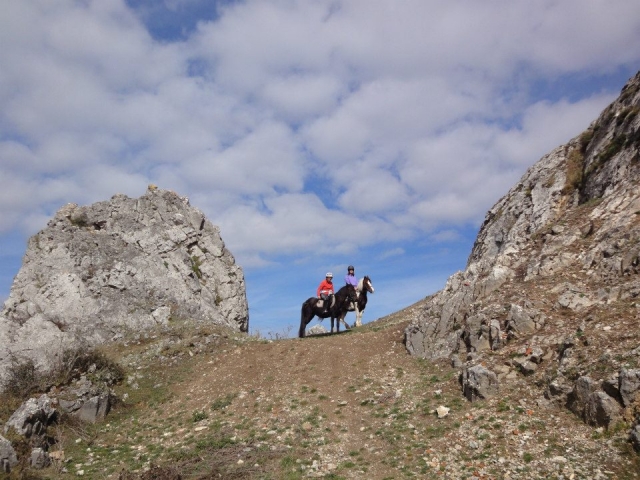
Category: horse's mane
<point>343,290</point>
<point>361,283</point>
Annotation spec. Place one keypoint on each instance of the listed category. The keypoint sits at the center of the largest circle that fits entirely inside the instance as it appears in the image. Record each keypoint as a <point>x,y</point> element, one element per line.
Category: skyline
<point>314,134</point>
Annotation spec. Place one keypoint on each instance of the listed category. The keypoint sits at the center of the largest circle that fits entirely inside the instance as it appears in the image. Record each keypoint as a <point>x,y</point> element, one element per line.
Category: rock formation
<point>571,222</point>
<point>551,286</point>
<point>121,265</point>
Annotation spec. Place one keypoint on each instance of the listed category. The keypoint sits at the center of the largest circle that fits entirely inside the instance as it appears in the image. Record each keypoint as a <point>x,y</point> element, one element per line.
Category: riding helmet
<point>329,275</point>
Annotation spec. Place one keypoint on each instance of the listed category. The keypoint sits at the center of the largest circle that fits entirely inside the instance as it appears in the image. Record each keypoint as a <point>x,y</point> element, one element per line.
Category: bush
<point>575,165</point>
<point>22,378</point>
<point>99,367</point>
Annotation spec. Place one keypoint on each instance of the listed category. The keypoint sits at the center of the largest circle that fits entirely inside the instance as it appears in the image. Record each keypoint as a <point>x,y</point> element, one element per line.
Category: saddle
<point>320,302</point>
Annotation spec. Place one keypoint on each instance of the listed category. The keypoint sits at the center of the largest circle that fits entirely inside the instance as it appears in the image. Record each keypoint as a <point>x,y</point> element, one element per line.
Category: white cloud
<point>300,97</point>
<point>546,125</point>
<point>301,128</point>
<point>262,161</point>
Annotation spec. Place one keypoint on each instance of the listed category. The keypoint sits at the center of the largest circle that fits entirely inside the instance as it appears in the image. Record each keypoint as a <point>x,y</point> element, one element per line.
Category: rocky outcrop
<point>88,402</point>
<point>478,383</point>
<point>32,418</point>
<point>126,264</point>
<point>551,287</point>
<point>8,457</point>
<point>570,224</point>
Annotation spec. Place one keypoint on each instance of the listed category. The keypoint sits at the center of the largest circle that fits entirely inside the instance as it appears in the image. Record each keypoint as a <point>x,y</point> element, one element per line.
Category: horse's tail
<point>304,318</point>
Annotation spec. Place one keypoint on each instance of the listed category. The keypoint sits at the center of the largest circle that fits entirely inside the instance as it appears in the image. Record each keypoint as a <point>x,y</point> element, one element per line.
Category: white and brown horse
<point>364,286</point>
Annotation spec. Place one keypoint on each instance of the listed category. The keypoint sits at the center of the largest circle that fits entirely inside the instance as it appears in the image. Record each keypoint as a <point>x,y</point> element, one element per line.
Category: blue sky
<point>314,133</point>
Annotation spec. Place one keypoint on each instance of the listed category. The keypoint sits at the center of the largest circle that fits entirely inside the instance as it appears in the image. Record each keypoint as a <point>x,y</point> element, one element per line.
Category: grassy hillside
<point>202,403</point>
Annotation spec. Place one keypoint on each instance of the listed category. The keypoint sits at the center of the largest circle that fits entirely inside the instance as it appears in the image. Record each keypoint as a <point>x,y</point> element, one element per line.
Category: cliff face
<point>559,253</point>
<point>124,264</point>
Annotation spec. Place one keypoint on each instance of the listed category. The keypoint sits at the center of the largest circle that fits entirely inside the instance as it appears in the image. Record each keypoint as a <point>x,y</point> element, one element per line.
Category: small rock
<point>442,411</point>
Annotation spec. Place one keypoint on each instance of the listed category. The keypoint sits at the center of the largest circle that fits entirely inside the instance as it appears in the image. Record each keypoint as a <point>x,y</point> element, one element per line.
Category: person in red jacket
<point>325,289</point>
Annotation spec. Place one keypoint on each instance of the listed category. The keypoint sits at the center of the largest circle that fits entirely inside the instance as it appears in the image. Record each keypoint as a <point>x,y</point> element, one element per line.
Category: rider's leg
<point>325,303</point>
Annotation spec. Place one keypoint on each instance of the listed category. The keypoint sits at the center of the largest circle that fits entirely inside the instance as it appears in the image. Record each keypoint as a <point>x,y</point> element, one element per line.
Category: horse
<point>337,311</point>
<point>364,286</point>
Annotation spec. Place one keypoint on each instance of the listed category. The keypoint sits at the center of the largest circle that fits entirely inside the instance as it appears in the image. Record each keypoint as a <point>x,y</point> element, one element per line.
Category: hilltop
<point>351,405</point>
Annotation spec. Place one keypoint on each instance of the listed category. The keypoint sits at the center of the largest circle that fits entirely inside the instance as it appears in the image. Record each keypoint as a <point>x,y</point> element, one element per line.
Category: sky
<point>315,134</point>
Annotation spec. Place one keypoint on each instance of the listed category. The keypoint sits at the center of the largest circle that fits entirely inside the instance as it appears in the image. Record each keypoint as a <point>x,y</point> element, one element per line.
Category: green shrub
<point>613,148</point>
<point>575,166</point>
<point>98,366</point>
<point>223,402</point>
<point>585,139</point>
<point>22,378</point>
<point>199,415</point>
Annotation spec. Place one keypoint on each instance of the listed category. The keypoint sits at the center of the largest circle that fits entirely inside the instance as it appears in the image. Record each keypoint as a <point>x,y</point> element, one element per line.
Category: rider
<point>324,290</point>
<point>350,277</point>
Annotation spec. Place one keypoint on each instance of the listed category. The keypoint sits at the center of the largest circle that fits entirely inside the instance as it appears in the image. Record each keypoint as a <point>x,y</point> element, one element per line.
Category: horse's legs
<point>335,320</point>
<point>341,319</point>
<point>358,317</point>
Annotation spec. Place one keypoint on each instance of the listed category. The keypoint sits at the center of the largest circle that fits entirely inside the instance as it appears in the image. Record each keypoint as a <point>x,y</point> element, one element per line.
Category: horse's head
<point>366,284</point>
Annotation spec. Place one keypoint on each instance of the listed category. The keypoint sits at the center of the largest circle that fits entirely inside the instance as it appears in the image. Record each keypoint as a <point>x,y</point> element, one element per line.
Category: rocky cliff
<point>125,264</point>
<point>563,242</point>
<point>551,286</point>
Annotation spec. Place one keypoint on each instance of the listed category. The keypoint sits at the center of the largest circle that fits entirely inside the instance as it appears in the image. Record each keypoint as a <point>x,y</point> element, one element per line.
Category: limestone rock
<point>522,320</point>
<point>558,391</point>
<point>629,385</point>
<point>86,401</point>
<point>121,265</point>
<point>634,437</point>
<point>8,457</point>
<point>478,383</point>
<point>33,417</point>
<point>39,459</point>
<point>524,365</point>
<point>601,410</point>
<point>442,411</point>
<point>569,221</point>
<point>318,329</point>
<point>611,386</point>
<point>579,396</point>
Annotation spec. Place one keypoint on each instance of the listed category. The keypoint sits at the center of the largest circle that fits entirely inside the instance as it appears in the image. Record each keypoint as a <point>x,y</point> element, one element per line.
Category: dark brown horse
<point>337,311</point>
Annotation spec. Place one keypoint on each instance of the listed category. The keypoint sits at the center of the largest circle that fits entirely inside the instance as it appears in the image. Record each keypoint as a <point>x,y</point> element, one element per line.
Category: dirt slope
<point>206,404</point>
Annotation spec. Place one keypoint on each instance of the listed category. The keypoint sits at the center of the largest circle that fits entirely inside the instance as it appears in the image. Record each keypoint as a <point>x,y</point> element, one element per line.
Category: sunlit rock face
<point>126,264</point>
<point>563,242</point>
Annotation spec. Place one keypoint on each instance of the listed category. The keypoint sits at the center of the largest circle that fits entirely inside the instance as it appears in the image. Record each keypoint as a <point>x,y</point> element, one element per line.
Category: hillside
<point>200,403</point>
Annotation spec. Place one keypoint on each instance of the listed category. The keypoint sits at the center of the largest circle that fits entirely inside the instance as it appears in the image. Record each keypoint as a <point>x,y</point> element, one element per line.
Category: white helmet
<point>329,275</point>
